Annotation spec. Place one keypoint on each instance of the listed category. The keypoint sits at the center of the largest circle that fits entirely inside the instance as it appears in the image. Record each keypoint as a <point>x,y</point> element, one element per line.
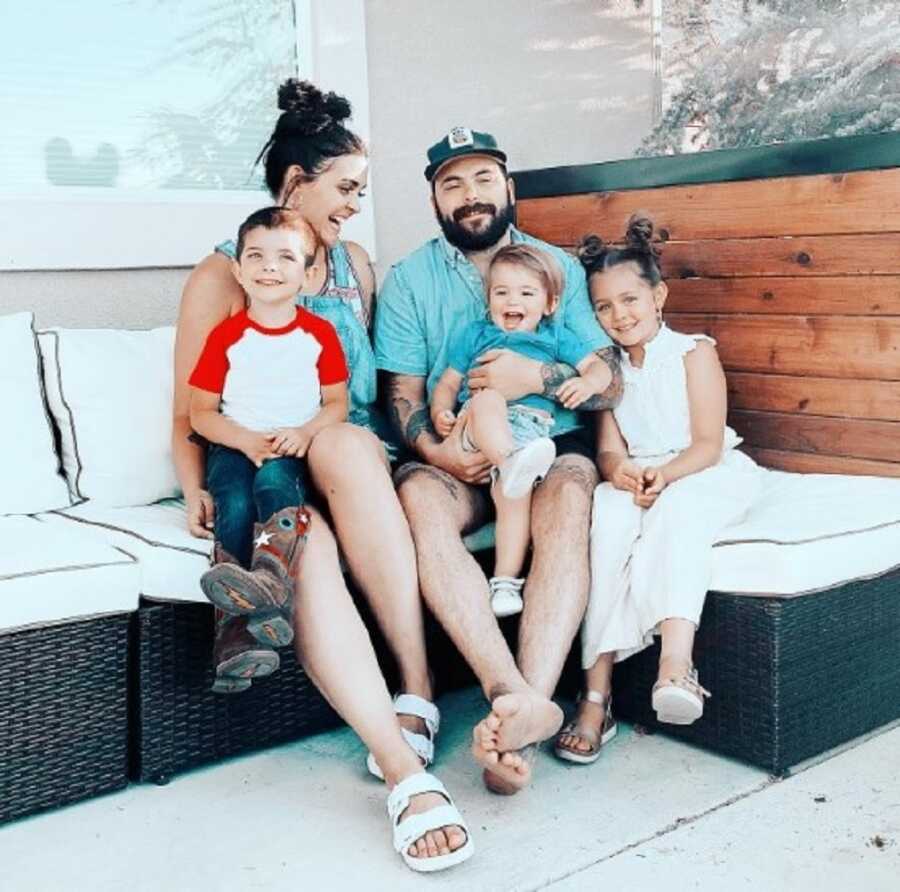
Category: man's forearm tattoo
<point>610,397</point>
<point>419,420</point>
<point>409,420</point>
<point>553,374</point>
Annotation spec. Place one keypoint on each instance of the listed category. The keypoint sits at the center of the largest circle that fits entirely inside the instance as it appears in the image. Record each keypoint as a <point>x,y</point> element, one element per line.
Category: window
<point>130,130</point>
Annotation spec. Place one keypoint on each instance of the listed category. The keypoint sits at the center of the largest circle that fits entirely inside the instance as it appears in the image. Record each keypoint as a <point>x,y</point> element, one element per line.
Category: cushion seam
<point>127,532</point>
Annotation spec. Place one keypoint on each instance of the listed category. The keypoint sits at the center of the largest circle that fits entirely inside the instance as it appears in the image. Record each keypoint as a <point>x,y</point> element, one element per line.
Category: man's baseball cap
<point>458,142</point>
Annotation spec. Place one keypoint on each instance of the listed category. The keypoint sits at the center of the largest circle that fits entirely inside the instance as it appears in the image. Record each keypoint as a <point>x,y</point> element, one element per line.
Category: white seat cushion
<point>29,472</point>
<point>809,532</point>
<point>110,393</point>
<point>170,559</point>
<point>50,573</point>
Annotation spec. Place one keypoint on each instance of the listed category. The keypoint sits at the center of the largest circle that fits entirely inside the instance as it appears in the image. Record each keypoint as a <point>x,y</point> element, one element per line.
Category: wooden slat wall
<point>798,279</point>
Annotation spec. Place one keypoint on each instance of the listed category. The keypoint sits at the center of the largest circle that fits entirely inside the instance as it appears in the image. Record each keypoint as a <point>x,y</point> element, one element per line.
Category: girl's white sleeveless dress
<point>652,564</point>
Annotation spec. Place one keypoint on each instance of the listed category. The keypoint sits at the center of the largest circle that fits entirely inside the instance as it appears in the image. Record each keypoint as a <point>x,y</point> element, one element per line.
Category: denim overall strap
<point>340,302</point>
<point>343,283</point>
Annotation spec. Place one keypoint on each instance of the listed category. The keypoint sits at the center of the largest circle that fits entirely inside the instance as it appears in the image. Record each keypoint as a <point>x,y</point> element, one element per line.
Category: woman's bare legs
<point>590,716</point>
<point>350,468</point>
<point>335,649</point>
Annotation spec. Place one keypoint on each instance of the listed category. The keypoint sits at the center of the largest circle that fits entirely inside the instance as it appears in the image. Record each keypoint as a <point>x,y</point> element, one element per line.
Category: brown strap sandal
<point>595,739</point>
<point>678,700</point>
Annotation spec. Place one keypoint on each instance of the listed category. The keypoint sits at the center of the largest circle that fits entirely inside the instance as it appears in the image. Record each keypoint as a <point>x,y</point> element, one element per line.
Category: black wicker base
<point>63,713</point>
<point>790,678</point>
<point>181,724</point>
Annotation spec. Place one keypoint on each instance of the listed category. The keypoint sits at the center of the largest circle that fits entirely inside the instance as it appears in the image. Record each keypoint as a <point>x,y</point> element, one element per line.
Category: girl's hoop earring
<point>659,318</point>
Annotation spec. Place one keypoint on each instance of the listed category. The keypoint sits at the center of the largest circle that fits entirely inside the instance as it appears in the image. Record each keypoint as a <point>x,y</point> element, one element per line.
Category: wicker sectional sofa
<point>105,638</point>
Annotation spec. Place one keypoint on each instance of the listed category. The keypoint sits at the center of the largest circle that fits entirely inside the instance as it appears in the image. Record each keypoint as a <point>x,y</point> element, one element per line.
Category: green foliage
<point>249,45</point>
<point>768,71</point>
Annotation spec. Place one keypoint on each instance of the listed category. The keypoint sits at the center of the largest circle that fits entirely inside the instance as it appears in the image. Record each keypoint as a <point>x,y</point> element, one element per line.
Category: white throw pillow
<point>29,468</point>
<point>110,392</point>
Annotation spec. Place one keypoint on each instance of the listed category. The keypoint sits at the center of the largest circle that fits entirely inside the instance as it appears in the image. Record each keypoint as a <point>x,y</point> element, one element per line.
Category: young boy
<point>524,285</point>
<point>268,379</point>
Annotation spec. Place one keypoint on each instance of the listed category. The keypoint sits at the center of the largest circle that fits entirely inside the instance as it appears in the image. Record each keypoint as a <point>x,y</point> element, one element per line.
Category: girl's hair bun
<point>639,234</point>
<point>307,110</point>
<point>590,250</point>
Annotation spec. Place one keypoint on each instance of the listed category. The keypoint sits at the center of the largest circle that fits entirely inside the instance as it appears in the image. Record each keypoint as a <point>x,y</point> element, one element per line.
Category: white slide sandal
<point>421,744</point>
<point>408,830</point>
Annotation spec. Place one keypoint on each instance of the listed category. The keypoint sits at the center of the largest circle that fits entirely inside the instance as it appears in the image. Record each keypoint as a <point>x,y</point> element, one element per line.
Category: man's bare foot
<point>435,842</point>
<point>504,743</point>
<point>512,772</point>
<point>516,720</point>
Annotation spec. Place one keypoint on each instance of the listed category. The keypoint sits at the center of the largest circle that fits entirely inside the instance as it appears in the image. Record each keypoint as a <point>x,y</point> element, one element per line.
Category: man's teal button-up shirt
<point>436,290</point>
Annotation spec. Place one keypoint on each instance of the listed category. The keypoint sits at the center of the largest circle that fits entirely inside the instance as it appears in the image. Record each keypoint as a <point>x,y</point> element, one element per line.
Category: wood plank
<point>835,397</point>
<point>878,440</point>
<point>807,463</point>
<point>865,201</point>
<point>807,296</point>
<point>827,255</point>
<point>823,346</point>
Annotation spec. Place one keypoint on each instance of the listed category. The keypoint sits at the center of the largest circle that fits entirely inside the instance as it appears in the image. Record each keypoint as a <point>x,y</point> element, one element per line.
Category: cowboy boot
<point>264,593</point>
<point>237,656</point>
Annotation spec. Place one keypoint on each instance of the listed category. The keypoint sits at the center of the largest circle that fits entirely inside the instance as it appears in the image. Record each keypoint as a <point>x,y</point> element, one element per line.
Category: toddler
<point>523,288</point>
<point>268,379</point>
<point>674,480</point>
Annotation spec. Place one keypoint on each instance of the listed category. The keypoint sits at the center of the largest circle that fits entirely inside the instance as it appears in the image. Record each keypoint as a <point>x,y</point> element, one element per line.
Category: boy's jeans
<point>244,494</point>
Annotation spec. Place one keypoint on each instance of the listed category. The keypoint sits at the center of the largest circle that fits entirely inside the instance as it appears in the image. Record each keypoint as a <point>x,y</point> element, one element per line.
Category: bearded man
<point>426,298</point>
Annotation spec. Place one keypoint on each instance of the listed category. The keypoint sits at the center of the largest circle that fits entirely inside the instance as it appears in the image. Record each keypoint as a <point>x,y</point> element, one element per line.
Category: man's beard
<point>466,239</point>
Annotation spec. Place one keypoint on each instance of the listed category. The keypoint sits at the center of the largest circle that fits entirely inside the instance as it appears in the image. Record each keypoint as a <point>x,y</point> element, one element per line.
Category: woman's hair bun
<point>307,110</point>
<point>639,234</point>
<point>590,249</point>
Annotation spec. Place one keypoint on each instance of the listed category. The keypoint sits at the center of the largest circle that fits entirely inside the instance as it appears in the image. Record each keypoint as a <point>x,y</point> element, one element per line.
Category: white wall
<point>121,298</point>
<point>556,81</point>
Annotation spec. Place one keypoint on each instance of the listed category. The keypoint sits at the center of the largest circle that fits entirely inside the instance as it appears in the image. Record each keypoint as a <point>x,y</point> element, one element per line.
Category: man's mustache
<point>467,210</point>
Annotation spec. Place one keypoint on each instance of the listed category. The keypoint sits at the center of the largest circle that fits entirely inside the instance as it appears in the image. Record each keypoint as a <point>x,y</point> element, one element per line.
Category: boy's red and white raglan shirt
<point>270,377</point>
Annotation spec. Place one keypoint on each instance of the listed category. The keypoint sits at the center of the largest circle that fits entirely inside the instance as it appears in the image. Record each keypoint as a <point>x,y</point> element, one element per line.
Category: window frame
<point>53,228</point>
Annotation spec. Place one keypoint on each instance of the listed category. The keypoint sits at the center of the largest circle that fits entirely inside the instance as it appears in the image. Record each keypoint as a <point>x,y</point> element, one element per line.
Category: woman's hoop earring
<point>659,318</point>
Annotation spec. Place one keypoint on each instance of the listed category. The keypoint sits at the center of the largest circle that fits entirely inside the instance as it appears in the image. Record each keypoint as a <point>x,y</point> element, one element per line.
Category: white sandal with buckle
<point>421,744</point>
<point>408,830</point>
<point>595,740</point>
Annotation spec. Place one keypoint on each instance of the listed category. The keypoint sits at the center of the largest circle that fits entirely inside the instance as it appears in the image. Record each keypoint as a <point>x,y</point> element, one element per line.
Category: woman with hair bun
<point>673,481</point>
<point>318,167</point>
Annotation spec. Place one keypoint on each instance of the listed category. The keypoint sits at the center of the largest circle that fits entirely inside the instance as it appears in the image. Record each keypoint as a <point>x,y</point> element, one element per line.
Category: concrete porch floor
<point>652,814</point>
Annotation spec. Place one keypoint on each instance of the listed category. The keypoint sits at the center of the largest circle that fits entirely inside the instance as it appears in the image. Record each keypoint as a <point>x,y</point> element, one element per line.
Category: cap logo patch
<point>459,137</point>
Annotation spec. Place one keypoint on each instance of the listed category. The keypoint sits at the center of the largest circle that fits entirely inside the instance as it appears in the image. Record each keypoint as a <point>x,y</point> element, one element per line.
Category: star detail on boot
<point>262,539</point>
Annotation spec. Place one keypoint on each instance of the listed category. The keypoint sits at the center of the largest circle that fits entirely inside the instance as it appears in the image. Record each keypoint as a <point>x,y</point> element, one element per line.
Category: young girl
<point>524,285</point>
<point>673,481</point>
